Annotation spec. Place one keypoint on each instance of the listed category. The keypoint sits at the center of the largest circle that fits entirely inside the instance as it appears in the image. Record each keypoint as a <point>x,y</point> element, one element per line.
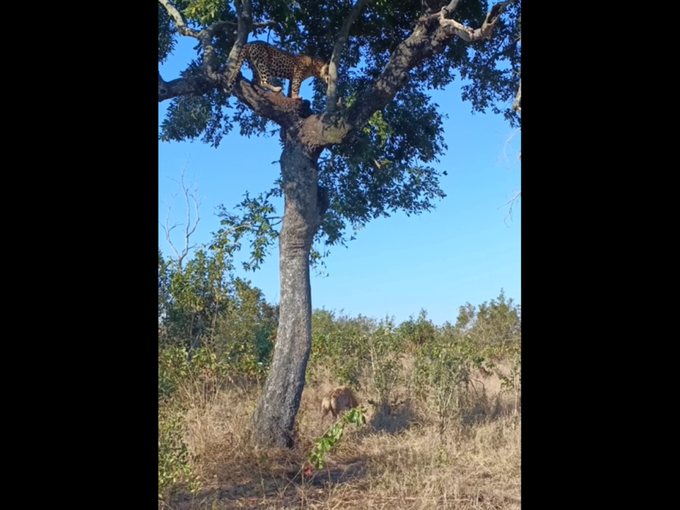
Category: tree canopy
<point>388,165</point>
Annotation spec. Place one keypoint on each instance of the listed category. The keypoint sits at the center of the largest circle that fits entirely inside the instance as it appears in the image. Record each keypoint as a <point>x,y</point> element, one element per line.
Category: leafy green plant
<point>417,332</point>
<point>443,373</point>
<point>323,445</point>
<point>495,328</point>
<point>174,461</point>
<point>340,344</point>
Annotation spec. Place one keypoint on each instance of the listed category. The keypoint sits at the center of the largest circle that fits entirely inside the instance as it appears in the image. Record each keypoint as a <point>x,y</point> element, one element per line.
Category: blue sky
<point>466,250</point>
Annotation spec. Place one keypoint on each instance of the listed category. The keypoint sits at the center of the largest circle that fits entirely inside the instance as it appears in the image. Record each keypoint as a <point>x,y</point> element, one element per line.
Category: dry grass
<point>403,460</point>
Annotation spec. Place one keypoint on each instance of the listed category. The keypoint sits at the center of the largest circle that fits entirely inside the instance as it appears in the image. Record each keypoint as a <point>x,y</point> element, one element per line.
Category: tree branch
<point>451,8</point>
<point>186,86</point>
<point>211,77</point>
<point>470,35</point>
<point>278,108</point>
<point>183,85</point>
<point>511,203</point>
<point>181,25</point>
<point>430,36</point>
<point>332,91</point>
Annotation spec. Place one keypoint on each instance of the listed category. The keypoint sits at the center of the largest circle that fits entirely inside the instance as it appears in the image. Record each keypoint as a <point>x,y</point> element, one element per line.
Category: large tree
<point>358,150</point>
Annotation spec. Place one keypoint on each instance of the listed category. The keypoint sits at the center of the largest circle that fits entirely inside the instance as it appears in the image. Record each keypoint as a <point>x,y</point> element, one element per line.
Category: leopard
<point>267,61</point>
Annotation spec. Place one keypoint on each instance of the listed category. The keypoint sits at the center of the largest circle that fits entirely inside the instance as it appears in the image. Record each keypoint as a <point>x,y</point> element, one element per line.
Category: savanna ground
<point>443,421</point>
<point>399,460</point>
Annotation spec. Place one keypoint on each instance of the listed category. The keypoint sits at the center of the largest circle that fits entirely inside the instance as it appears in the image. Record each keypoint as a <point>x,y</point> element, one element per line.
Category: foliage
<point>482,337</point>
<point>181,379</point>
<point>447,357</point>
<point>495,324</point>
<point>388,165</point>
<point>204,305</point>
<point>443,372</point>
<point>340,344</point>
<point>174,462</point>
<point>323,445</point>
<point>181,376</point>
<point>385,354</point>
<point>496,327</point>
<point>418,332</point>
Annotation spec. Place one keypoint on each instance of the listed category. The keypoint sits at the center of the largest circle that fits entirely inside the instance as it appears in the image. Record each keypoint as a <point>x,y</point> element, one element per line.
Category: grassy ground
<point>408,458</point>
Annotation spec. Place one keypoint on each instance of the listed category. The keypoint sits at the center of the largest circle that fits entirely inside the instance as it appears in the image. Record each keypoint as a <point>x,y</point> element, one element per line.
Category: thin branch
<point>189,231</point>
<point>511,203</point>
<point>332,91</point>
<point>167,229</point>
<point>507,142</point>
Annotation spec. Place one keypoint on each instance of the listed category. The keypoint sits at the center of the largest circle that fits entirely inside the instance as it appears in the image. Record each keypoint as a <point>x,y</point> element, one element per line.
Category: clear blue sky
<point>465,250</point>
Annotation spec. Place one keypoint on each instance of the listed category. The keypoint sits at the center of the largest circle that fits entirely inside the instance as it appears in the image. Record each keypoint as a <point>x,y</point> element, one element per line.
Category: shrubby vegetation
<point>216,333</point>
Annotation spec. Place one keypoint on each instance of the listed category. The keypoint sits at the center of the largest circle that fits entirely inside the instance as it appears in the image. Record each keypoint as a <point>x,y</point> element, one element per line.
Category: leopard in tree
<point>267,61</point>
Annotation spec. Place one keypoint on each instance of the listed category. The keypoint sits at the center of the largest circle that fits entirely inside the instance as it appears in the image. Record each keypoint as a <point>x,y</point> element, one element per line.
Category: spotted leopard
<point>267,62</point>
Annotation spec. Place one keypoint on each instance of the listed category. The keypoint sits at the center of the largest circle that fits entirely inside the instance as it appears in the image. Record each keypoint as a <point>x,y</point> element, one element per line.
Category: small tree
<point>360,149</point>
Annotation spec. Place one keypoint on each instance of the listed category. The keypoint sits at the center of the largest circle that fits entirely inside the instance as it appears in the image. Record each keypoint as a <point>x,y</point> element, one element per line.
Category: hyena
<point>338,400</point>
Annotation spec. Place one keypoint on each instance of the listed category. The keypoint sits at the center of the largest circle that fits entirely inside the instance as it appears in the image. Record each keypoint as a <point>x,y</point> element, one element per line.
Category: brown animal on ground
<point>338,400</point>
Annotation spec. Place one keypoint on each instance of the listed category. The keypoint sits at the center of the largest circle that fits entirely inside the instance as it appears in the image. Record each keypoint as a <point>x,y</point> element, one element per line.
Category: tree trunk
<point>275,414</point>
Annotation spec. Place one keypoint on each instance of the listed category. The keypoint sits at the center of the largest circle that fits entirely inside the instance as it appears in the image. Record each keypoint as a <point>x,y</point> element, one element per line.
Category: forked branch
<point>472,35</point>
<point>511,203</point>
<point>189,227</point>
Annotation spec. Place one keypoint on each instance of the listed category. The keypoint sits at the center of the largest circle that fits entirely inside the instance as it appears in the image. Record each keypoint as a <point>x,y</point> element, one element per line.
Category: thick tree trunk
<point>280,401</point>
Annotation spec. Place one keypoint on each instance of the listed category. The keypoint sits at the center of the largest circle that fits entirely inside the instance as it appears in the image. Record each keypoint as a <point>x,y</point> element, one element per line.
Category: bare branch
<point>332,91</point>
<point>507,142</point>
<point>511,203</point>
<point>167,229</point>
<point>181,25</point>
<point>189,228</point>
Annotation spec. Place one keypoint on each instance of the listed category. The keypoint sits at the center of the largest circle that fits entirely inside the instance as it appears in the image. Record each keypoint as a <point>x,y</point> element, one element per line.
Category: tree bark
<point>274,417</point>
